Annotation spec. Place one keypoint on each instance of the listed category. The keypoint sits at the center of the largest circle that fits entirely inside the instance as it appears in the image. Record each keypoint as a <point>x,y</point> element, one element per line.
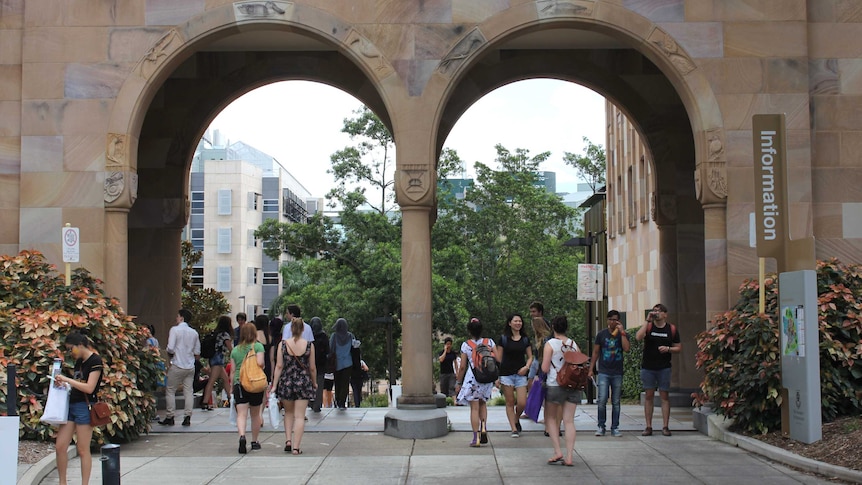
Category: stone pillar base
<point>416,423</point>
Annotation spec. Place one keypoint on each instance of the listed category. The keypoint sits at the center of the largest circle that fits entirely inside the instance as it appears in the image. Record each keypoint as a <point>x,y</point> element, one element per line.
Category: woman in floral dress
<point>469,390</point>
<point>296,383</point>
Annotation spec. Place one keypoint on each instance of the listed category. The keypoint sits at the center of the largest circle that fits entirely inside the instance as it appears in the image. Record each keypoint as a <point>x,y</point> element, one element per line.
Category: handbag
<point>100,412</point>
<point>535,399</point>
<point>57,407</point>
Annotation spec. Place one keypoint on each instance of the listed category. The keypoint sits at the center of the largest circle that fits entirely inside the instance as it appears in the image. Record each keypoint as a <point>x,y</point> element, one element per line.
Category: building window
<point>642,190</point>
<point>632,216</point>
<point>198,276</point>
<point>223,280</point>
<point>252,276</point>
<point>270,278</point>
<point>270,205</point>
<point>197,203</point>
<point>198,239</point>
<point>254,201</point>
<point>224,240</point>
<point>224,202</point>
<point>621,221</point>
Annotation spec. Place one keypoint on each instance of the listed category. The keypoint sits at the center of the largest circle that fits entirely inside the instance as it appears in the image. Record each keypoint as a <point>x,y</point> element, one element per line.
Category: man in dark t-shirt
<point>661,339</point>
<point>447,368</point>
<point>607,362</point>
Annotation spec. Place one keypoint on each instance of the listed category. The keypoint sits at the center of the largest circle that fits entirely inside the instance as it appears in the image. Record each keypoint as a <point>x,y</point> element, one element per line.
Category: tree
<point>206,304</point>
<point>367,163</point>
<point>591,165</point>
<point>511,231</point>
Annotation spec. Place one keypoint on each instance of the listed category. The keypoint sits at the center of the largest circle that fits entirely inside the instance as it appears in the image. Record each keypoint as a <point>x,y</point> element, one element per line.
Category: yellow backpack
<point>251,375</point>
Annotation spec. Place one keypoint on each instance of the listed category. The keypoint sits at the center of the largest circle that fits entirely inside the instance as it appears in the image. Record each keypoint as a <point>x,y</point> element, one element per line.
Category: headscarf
<point>316,325</point>
<point>342,336</point>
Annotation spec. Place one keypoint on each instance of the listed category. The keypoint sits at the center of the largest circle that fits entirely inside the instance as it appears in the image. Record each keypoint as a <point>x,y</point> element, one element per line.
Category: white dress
<point>470,389</point>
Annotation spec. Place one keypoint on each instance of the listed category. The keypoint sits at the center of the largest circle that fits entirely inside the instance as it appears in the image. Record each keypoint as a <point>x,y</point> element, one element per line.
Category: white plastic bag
<point>232,411</point>
<point>57,407</point>
<point>274,415</point>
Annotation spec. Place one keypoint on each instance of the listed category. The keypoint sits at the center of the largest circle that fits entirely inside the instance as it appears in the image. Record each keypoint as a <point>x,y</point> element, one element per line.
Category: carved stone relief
<point>115,151</point>
<point>664,209</point>
<point>413,181</point>
<point>462,50</point>
<point>262,9</point>
<point>565,8</point>
<point>714,144</point>
<point>368,50</point>
<point>668,46</point>
<point>713,172</point>
<point>163,47</point>
<point>121,189</point>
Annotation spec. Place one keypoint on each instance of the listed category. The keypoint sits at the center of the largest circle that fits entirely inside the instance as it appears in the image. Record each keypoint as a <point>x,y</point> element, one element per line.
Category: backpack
<point>574,372</point>
<point>251,375</point>
<point>208,345</point>
<point>484,363</point>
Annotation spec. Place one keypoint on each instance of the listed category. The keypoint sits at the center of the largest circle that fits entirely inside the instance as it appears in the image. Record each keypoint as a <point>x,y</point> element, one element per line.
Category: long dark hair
<point>474,328</point>
<point>224,325</point>
<point>77,337</point>
<point>261,322</point>
<point>507,329</point>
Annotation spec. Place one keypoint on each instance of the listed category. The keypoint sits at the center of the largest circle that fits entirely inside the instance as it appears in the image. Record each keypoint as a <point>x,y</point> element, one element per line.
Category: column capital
<point>121,188</point>
<point>416,185</point>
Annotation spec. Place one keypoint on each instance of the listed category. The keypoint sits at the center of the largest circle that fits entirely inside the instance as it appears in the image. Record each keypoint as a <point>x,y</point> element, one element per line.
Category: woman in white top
<point>560,402</point>
<point>469,390</point>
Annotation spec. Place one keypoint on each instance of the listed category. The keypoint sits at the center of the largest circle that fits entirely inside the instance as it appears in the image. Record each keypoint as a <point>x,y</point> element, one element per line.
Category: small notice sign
<point>71,237</point>
<point>591,282</point>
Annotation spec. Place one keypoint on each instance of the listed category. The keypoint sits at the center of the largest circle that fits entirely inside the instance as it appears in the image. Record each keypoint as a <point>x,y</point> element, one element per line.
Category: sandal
<point>297,451</point>
<point>287,446</point>
<point>554,461</point>
<point>647,432</point>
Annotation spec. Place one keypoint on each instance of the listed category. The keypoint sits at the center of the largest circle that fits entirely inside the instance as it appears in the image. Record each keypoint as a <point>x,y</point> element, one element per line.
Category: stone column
<point>416,307</point>
<point>121,190</point>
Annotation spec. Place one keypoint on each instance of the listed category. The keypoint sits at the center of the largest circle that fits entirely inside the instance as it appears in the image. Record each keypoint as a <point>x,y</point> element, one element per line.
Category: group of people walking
<point>522,361</point>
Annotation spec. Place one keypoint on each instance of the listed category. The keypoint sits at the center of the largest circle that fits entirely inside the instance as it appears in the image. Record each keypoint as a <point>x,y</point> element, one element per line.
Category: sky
<point>299,123</point>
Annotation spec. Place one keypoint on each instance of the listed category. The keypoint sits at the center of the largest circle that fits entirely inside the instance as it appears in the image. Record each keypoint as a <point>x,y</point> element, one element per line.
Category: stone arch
<point>155,200</point>
<point>691,205</point>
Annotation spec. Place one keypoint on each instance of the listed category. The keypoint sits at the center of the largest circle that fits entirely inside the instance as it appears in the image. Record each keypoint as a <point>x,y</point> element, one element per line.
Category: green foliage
<point>37,311</point>
<point>591,165</point>
<point>632,385</point>
<point>206,304</point>
<point>375,400</point>
<point>497,401</point>
<point>740,355</point>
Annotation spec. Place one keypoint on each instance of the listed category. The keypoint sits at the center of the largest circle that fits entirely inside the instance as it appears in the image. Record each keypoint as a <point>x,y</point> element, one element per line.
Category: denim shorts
<point>560,395</point>
<point>656,379</point>
<point>217,359</point>
<point>79,412</point>
<point>514,380</point>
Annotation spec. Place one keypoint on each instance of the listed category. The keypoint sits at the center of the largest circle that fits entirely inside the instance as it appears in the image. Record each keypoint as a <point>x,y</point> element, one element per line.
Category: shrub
<point>375,400</point>
<point>740,354</point>
<point>632,385</point>
<point>37,310</point>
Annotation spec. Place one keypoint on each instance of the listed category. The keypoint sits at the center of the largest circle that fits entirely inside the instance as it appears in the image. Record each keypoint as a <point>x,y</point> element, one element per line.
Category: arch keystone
<point>565,8</point>
<point>263,10</point>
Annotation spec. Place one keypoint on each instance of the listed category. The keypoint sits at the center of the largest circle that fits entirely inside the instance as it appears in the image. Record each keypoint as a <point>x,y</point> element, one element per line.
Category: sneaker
<point>255,445</point>
<point>518,427</point>
<point>515,434</point>
<point>187,421</point>
<point>242,447</point>
<point>600,431</point>
<point>616,433</point>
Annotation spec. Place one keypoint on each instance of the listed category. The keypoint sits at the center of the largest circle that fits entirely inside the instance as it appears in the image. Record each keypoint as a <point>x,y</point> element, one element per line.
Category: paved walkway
<point>349,447</point>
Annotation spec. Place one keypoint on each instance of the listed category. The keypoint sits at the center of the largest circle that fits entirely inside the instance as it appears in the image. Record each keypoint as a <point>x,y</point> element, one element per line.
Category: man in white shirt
<point>293,311</point>
<point>184,348</point>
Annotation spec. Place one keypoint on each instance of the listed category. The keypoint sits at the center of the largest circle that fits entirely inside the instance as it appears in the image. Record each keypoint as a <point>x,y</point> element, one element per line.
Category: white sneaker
<point>616,433</point>
<point>600,432</point>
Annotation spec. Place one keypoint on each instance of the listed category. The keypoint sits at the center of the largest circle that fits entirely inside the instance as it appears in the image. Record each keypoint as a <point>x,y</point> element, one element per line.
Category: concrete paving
<point>348,446</point>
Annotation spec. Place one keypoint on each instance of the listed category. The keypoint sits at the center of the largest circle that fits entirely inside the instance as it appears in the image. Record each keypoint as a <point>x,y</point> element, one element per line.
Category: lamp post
<point>586,242</point>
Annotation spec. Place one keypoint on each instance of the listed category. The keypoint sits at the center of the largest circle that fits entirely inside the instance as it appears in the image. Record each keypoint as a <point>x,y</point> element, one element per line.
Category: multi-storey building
<point>234,188</point>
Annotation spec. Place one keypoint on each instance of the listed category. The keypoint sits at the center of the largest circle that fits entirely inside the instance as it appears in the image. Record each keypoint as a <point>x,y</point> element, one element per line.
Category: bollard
<point>110,464</point>
<point>12,391</point>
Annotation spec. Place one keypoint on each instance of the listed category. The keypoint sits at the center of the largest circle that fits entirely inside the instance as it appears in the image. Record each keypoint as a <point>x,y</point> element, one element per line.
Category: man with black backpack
<point>661,339</point>
<point>476,376</point>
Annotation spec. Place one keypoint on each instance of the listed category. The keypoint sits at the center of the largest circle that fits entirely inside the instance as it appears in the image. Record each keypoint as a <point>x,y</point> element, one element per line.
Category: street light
<point>586,242</point>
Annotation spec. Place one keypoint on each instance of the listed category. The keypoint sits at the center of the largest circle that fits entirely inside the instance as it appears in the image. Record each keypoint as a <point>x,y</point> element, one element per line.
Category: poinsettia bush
<point>37,311</point>
<point>741,359</point>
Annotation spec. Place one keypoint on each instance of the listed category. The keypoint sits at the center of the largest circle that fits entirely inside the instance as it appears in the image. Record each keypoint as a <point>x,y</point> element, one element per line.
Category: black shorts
<point>242,396</point>
<point>327,384</point>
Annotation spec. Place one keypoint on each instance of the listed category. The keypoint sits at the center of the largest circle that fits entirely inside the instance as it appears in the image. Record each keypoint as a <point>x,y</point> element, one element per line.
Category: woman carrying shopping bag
<point>85,387</point>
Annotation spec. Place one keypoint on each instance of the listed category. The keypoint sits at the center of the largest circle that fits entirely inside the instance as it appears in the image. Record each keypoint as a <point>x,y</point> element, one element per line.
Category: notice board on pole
<point>591,282</point>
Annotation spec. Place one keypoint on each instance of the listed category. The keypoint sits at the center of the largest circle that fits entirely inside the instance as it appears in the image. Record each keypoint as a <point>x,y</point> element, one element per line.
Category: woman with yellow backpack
<point>249,353</point>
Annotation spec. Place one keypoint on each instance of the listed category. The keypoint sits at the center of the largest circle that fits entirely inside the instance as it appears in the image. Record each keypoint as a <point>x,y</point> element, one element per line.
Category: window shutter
<point>224,202</point>
<point>223,283</point>
<point>224,237</point>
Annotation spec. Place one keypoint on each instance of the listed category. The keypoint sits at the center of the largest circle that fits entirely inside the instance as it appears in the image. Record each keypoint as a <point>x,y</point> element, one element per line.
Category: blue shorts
<point>656,379</point>
<point>217,359</point>
<point>561,395</point>
<point>514,380</point>
<point>79,413</point>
